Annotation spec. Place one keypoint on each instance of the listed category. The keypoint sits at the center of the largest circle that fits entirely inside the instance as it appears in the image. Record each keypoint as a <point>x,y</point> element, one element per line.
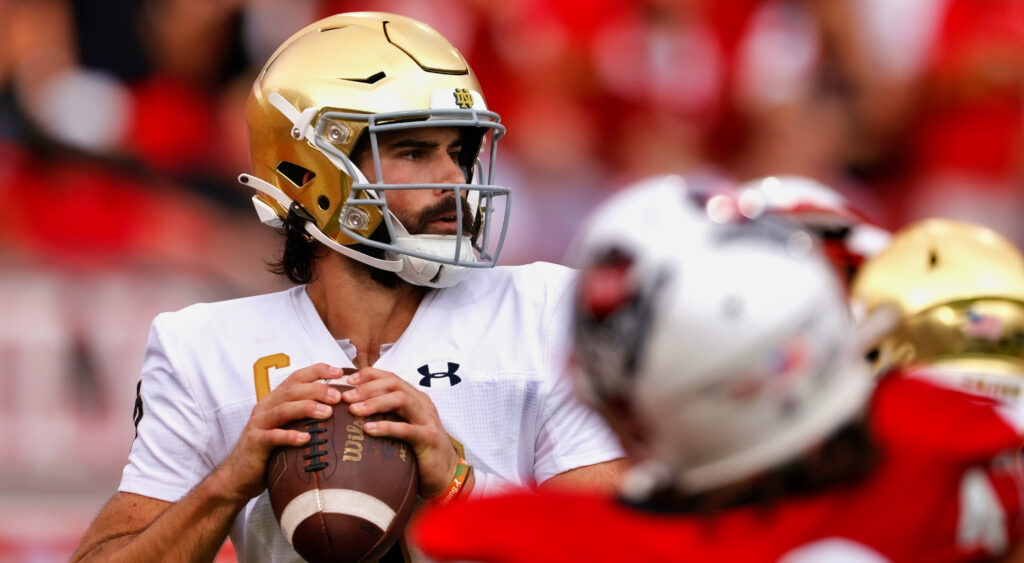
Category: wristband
<point>458,480</point>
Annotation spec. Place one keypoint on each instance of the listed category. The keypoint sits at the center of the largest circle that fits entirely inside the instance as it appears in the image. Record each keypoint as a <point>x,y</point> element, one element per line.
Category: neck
<point>355,306</point>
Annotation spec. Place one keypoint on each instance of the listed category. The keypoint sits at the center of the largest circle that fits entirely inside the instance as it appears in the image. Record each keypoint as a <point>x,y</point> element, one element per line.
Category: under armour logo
<point>463,98</point>
<point>428,375</point>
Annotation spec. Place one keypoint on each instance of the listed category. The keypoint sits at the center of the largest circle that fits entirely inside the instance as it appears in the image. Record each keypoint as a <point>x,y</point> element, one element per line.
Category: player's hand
<point>378,391</point>
<point>301,395</point>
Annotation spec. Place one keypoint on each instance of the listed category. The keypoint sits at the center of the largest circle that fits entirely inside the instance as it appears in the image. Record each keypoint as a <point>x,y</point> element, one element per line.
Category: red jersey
<point>948,487</point>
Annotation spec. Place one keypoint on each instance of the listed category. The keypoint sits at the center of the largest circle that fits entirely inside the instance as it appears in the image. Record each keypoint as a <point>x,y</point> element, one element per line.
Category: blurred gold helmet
<point>355,75</point>
<point>959,292</point>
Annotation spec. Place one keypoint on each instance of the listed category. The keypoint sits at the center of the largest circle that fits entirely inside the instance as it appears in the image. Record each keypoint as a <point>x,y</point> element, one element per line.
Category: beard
<point>421,222</point>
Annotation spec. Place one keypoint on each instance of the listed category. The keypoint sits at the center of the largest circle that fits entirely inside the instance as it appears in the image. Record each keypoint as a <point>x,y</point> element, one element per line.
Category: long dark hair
<point>298,258</point>
<point>299,255</point>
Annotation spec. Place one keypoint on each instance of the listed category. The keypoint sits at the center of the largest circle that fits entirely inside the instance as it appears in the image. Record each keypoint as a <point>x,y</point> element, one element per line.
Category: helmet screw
<point>296,133</point>
<point>337,133</point>
<point>356,218</point>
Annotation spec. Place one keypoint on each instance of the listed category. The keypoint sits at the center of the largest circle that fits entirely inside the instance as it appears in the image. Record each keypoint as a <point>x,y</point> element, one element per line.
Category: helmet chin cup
<point>421,254</point>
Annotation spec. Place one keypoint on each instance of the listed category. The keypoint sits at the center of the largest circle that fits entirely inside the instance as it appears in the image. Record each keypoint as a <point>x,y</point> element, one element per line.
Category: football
<point>345,495</point>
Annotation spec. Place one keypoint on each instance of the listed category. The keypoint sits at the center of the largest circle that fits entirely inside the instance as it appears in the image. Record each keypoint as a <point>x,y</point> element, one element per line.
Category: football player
<point>368,136</point>
<point>957,289</point>
<point>719,346</point>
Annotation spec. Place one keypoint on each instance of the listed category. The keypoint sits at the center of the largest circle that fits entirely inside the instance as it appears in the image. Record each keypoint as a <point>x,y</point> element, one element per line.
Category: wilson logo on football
<point>354,442</point>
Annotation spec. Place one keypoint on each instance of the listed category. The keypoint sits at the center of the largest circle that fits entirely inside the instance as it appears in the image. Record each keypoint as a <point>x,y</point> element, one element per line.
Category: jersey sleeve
<point>165,461</point>
<point>913,412</point>
<point>570,434</point>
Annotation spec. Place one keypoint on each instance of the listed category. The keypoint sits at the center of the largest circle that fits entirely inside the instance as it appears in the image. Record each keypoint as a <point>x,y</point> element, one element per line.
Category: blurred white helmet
<point>717,343</point>
<point>850,237</point>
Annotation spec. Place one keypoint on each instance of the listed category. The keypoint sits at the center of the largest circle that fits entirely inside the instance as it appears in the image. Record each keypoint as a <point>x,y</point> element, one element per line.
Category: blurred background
<point>122,132</point>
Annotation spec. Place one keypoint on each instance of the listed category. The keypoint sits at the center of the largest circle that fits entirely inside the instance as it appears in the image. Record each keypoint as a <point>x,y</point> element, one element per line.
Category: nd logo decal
<point>463,98</point>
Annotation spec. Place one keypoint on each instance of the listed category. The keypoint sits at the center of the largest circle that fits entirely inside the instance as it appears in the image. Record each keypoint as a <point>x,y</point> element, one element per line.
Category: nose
<point>449,172</point>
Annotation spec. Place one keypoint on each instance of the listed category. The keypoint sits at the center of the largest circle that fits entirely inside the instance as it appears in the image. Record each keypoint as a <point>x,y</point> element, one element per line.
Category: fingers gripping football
<point>378,391</point>
<point>301,395</point>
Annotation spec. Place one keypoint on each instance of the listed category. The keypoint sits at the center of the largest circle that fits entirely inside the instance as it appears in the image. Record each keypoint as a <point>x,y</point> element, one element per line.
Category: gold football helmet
<point>356,75</point>
<point>959,291</point>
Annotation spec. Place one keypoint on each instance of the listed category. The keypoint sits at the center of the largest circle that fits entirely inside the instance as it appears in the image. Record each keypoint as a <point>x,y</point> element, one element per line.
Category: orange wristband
<point>458,480</point>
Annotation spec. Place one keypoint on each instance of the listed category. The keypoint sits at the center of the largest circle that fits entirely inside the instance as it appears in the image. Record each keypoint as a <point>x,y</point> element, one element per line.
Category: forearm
<point>604,477</point>
<point>191,529</point>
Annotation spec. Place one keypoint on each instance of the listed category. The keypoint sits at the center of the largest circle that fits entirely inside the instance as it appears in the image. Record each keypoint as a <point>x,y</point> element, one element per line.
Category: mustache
<point>442,208</point>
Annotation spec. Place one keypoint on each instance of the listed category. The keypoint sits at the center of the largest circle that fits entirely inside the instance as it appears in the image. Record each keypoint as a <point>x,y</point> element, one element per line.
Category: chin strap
<point>269,216</point>
<point>429,273</point>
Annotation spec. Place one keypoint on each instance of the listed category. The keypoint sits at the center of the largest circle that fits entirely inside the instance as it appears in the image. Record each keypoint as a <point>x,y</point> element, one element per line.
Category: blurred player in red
<point>717,343</point>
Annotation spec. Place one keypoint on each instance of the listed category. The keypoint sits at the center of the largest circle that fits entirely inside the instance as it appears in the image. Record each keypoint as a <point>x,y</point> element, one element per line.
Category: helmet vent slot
<point>295,174</point>
<point>372,79</point>
<point>933,258</point>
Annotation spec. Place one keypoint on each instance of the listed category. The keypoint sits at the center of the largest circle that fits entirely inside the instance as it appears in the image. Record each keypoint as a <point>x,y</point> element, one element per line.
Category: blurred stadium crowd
<point>122,133</point>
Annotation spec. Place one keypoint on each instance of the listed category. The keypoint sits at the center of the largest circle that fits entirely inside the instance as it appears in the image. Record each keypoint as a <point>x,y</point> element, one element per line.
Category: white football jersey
<point>491,352</point>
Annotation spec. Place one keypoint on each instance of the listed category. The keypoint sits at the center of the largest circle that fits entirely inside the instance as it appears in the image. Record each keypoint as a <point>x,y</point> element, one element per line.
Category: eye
<point>411,154</point>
